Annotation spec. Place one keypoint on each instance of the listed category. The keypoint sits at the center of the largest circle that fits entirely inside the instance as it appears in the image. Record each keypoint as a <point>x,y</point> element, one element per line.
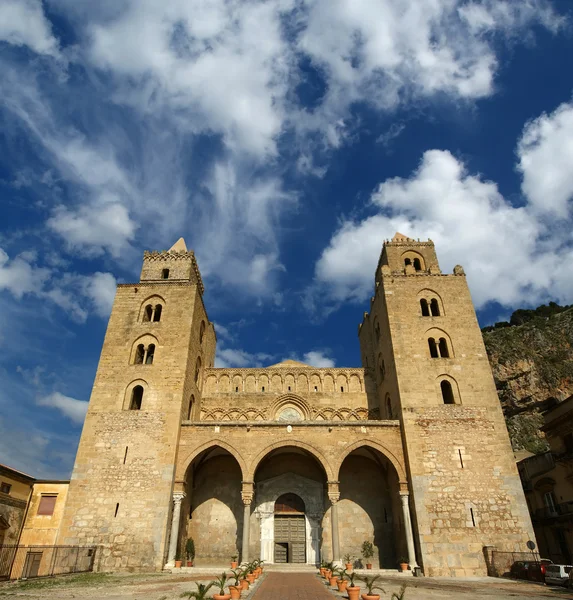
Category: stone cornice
<point>360,371</point>
<point>155,255</point>
<point>293,424</point>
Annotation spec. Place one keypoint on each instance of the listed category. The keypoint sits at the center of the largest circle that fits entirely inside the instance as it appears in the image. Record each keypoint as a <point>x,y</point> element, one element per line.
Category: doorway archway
<point>290,529</point>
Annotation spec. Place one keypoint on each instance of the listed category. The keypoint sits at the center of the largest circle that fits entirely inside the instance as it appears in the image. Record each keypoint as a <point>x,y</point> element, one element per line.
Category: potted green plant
<point>370,587</point>
<point>221,583</point>
<point>234,563</point>
<point>352,589</point>
<point>403,563</point>
<point>367,553</point>
<point>178,560</point>
<point>244,580</point>
<point>399,595</point>
<point>342,582</point>
<point>200,593</point>
<point>190,551</point>
<point>334,576</point>
<point>348,561</point>
<point>235,589</point>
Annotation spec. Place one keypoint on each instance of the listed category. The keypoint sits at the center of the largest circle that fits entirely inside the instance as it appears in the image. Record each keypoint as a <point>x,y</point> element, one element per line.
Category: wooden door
<point>290,538</point>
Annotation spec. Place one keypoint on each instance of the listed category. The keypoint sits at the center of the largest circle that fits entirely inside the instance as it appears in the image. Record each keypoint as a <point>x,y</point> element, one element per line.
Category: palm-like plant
<point>200,593</point>
<point>221,583</point>
<point>351,577</point>
<point>399,595</point>
<point>237,575</point>
<point>370,584</point>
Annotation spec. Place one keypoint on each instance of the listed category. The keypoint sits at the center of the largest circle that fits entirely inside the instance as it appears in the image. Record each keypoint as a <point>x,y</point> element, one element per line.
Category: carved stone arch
<point>453,382</point>
<point>153,299</point>
<point>145,339</point>
<point>129,389</point>
<point>412,255</point>
<point>437,333</point>
<point>184,464</point>
<point>315,380</point>
<point>396,462</point>
<point>428,294</point>
<point>293,400</point>
<point>317,454</point>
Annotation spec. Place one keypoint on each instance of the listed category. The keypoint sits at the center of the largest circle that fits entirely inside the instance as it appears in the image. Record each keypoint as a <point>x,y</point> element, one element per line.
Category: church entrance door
<point>290,529</point>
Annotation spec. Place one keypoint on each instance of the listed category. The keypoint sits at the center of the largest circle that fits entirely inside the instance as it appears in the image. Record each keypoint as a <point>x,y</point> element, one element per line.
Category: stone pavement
<point>292,586</point>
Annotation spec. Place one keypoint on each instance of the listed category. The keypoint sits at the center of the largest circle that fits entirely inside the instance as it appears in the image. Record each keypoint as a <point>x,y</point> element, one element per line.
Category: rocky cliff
<point>532,361</point>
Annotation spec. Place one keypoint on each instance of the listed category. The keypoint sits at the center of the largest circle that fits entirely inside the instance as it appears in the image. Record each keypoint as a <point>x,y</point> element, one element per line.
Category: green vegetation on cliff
<point>531,357</point>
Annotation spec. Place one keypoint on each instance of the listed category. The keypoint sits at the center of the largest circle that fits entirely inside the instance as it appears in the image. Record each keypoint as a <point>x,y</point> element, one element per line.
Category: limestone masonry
<point>291,463</point>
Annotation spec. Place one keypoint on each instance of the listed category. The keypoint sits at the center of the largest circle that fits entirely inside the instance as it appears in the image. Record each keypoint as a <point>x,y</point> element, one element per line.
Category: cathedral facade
<point>292,463</point>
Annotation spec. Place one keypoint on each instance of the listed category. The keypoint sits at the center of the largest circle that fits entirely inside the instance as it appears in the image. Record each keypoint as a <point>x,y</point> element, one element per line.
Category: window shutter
<point>47,504</point>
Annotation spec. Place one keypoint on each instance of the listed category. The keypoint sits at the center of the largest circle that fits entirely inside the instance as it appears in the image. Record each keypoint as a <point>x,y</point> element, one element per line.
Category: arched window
<point>136,398</point>
<point>157,313</point>
<point>417,264</point>
<point>190,409</point>
<point>149,354</point>
<point>447,392</point>
<point>389,412</point>
<point>444,352</point>
<point>433,348</point>
<point>201,332</point>
<point>197,371</point>
<point>289,503</point>
<point>407,262</point>
<point>382,371</point>
<point>165,274</point>
<point>147,313</point>
<point>425,308</point>
<point>434,307</point>
<point>139,354</point>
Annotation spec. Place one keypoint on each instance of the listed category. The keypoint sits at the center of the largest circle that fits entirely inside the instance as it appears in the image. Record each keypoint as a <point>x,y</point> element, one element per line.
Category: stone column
<point>405,497</point>
<point>334,496</point>
<point>174,537</point>
<point>247,493</point>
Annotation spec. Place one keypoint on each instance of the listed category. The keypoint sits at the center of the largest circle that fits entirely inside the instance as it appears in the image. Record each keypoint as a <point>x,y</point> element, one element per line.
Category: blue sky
<point>284,140</point>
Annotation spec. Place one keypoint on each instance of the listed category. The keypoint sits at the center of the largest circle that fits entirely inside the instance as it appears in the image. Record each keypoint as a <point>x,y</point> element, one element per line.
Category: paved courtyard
<point>272,586</point>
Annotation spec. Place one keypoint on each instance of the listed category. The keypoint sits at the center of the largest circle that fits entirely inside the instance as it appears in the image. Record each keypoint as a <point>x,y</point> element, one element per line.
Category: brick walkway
<point>292,586</point>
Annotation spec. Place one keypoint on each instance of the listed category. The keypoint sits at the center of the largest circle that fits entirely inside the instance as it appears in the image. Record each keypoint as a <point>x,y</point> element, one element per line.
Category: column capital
<point>334,497</point>
<point>178,497</point>
<point>333,490</point>
<point>247,492</point>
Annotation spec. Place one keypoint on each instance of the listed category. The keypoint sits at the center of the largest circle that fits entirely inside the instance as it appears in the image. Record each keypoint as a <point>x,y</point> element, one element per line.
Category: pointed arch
<point>397,462</point>
<point>294,443</point>
<point>215,442</point>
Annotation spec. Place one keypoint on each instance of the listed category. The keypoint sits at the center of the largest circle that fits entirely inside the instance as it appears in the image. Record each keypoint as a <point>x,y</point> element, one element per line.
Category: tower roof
<point>179,246</point>
<point>400,237</point>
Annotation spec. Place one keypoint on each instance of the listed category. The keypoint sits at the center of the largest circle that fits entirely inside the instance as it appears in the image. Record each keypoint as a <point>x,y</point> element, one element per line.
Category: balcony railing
<point>552,512</point>
<point>537,465</point>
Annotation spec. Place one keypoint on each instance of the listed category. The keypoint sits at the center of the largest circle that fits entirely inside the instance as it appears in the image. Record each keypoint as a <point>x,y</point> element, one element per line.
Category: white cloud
<point>20,277</point>
<point>545,154</point>
<point>318,358</point>
<point>22,23</point>
<point>233,357</point>
<point>69,407</point>
<point>100,289</point>
<point>95,228</point>
<point>509,256</point>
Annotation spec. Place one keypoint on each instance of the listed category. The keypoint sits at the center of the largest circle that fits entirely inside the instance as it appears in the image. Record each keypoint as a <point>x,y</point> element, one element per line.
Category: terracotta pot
<point>327,573</point>
<point>189,563</point>
<point>332,581</point>
<point>348,566</point>
<point>250,578</point>
<point>322,571</point>
<point>244,584</point>
<point>370,597</point>
<point>178,564</point>
<point>258,571</point>
<point>234,564</point>
<point>342,585</point>
<point>221,596</point>
<point>235,591</point>
<point>353,592</point>
<point>403,566</point>
<point>368,565</point>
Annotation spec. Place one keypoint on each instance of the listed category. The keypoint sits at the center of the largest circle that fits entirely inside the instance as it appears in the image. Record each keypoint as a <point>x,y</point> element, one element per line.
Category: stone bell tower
<point>432,372</point>
<point>149,379</point>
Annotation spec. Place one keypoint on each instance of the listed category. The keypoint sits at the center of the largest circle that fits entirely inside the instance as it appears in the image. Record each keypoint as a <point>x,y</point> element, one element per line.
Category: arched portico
<point>289,469</point>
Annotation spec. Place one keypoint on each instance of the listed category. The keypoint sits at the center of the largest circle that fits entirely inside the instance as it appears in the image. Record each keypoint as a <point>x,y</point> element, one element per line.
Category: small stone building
<point>15,491</point>
<point>292,463</point>
<point>548,483</point>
